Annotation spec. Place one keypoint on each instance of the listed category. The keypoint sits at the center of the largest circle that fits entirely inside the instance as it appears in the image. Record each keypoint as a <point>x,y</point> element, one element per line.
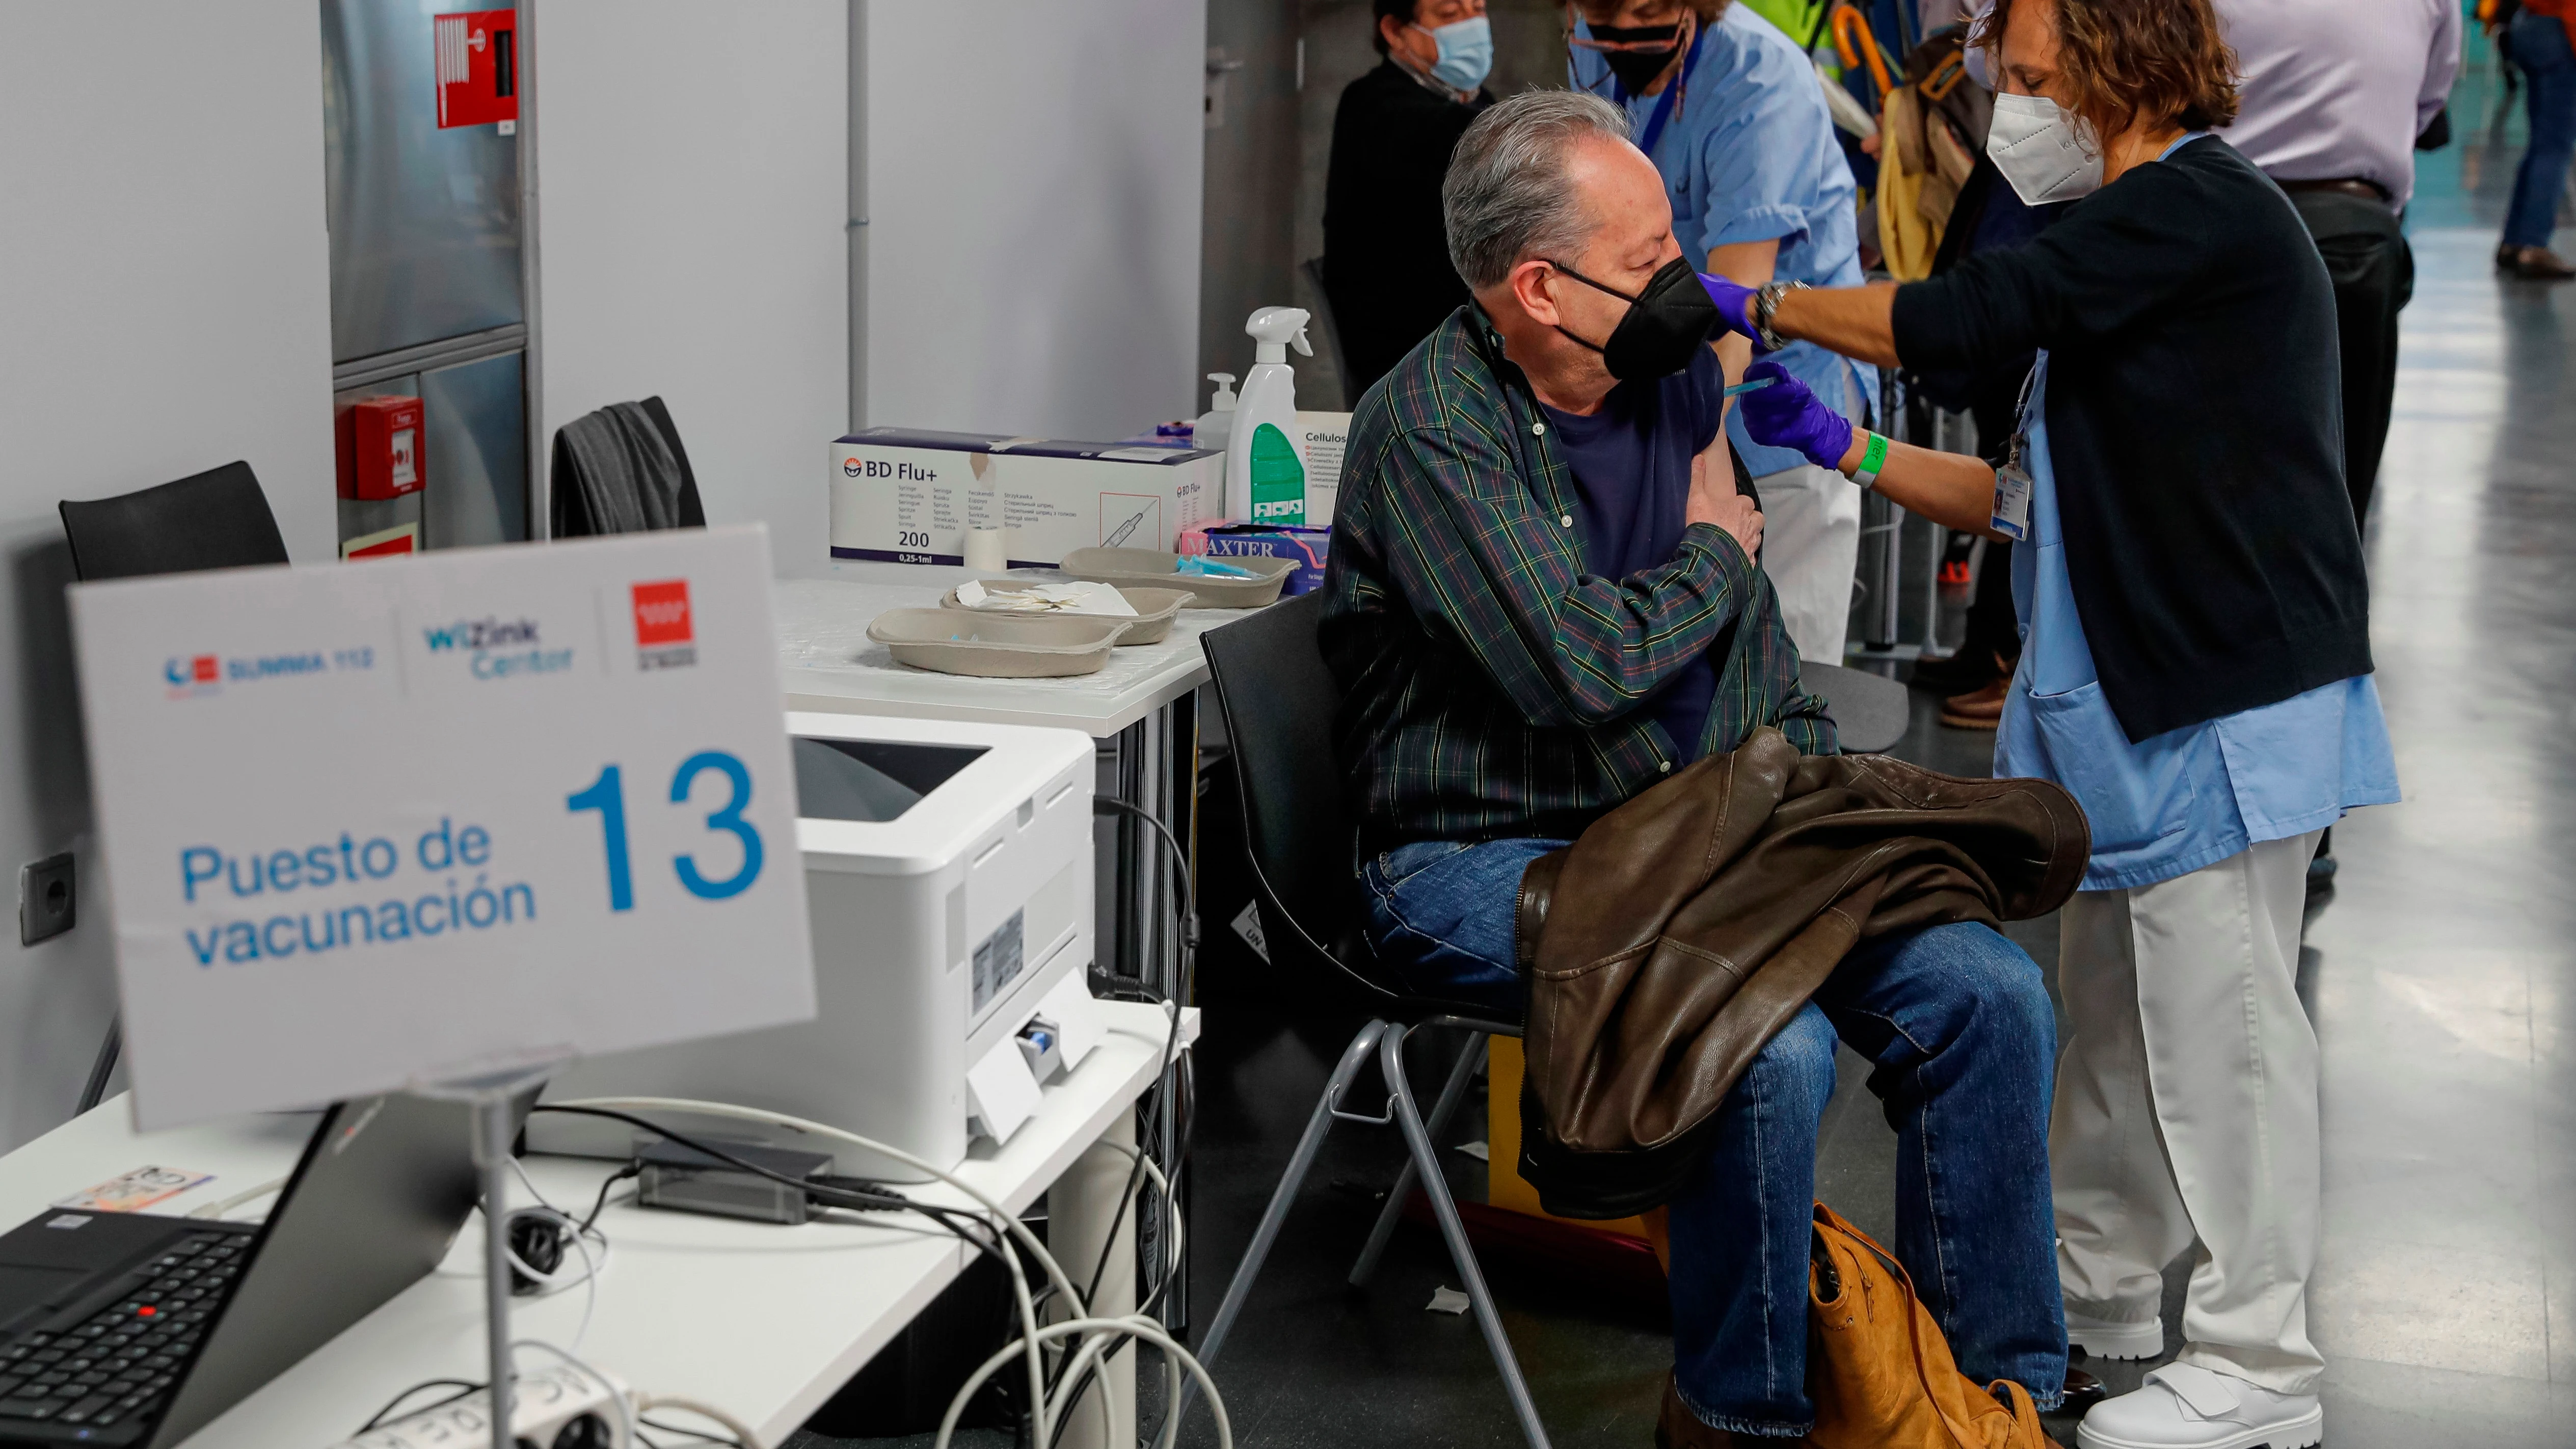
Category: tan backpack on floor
<point>1879,1370</point>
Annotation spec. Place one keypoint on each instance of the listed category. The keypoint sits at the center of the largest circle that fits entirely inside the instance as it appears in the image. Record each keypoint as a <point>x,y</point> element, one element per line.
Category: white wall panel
<point>1033,210</point>
<point>692,194</point>
<point>164,308</point>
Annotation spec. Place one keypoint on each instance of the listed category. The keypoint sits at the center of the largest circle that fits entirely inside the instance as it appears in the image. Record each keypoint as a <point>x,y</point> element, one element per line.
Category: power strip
<point>560,1408</point>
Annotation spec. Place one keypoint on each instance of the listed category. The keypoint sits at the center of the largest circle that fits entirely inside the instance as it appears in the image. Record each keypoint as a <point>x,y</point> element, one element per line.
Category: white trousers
<point>2187,1109</point>
<point>1810,548</point>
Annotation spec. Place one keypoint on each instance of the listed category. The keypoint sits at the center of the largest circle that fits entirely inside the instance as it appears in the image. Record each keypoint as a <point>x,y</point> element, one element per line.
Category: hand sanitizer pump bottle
<point>1210,430</point>
<point>1265,463</point>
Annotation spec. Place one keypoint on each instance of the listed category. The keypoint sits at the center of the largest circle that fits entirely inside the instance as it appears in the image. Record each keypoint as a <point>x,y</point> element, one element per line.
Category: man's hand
<point>1713,499</point>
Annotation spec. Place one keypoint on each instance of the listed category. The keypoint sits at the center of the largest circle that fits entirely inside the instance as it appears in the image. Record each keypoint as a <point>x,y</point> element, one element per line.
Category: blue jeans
<point>1958,1025</point>
<point>2539,44</point>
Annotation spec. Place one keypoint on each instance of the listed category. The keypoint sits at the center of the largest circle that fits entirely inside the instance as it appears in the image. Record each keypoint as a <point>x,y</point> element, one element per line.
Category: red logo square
<point>202,668</point>
<point>662,613</point>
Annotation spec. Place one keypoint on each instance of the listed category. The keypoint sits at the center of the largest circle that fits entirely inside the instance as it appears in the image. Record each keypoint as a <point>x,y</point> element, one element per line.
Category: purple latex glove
<point>1787,415</point>
<point>1734,307</point>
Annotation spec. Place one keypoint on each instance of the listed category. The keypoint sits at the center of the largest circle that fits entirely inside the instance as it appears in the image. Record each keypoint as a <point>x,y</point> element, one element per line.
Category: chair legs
<point>1441,1111</point>
<point>1436,1187</point>
<point>1422,1164</point>
<point>1300,1162</point>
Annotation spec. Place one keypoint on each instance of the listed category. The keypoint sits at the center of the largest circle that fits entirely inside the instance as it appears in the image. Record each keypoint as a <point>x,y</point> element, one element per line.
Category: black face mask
<point>1637,69</point>
<point>1665,324</point>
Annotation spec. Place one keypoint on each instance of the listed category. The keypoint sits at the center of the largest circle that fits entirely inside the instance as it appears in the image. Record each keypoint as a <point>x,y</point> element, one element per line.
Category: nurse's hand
<point>1787,415</point>
<point>1734,305</point>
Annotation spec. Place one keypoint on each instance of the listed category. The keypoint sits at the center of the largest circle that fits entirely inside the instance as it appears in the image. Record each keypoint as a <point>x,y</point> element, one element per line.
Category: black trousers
<point>2374,278</point>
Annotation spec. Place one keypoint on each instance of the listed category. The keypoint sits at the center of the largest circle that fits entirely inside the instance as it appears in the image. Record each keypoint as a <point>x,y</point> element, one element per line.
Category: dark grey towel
<point>629,480</point>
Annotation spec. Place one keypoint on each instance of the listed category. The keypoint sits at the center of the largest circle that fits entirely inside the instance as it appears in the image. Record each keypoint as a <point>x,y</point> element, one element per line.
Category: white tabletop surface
<point>827,662</point>
<point>764,1321</point>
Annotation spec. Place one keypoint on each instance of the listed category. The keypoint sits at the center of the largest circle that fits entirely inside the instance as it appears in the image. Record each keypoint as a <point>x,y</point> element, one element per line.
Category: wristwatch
<point>1872,458</point>
<point>1764,301</point>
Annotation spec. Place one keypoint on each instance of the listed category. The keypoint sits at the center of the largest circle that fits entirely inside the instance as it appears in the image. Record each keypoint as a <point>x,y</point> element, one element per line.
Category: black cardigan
<point>1386,248</point>
<point>2195,426</point>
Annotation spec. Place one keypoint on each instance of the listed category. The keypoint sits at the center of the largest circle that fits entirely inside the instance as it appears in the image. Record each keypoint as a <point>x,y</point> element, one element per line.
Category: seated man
<point>1542,600</point>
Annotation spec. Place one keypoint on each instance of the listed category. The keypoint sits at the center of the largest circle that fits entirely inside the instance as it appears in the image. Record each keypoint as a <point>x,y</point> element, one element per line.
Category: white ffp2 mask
<point>2047,152</point>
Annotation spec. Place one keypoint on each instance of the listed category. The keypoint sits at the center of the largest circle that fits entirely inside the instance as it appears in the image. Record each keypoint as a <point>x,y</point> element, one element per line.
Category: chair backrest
<point>1278,699</point>
<point>569,515</point>
<point>1869,711</point>
<point>217,519</point>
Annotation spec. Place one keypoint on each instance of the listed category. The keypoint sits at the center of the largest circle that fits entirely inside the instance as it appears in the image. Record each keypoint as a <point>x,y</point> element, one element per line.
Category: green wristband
<point>1873,458</point>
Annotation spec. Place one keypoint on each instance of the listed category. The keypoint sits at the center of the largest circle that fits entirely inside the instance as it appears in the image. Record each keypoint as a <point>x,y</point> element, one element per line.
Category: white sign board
<point>382,824</point>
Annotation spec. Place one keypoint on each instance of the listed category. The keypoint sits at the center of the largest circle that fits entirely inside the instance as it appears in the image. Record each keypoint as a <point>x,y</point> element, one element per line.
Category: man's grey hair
<point>1506,197</point>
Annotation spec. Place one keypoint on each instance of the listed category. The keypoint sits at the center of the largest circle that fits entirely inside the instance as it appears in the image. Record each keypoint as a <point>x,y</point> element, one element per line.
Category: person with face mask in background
<point>1386,261</point>
<point>1541,602</point>
<point>2195,669</point>
<point>1731,114</point>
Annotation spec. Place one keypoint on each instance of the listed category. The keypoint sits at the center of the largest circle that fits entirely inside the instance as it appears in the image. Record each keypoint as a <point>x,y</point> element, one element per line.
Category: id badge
<point>2012,502</point>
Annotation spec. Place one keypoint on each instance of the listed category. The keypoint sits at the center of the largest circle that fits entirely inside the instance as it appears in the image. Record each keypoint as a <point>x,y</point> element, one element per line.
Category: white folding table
<point>1141,707</point>
<point>764,1321</point>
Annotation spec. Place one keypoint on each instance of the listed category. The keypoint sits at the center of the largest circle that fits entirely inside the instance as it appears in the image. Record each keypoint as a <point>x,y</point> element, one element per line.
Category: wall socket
<point>48,905</point>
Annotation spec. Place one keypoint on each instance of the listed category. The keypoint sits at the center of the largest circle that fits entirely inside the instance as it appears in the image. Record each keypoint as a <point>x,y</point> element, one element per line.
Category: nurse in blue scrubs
<point>1733,116</point>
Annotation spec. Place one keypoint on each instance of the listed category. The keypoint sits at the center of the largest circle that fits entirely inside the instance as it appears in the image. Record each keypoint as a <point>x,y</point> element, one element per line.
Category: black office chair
<point>1869,711</point>
<point>571,514</point>
<point>217,519</point>
<point>1278,701</point>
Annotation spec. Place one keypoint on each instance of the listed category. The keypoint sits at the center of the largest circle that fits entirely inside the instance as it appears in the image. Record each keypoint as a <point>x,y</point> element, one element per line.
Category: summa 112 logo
<point>665,630</point>
<point>198,674</point>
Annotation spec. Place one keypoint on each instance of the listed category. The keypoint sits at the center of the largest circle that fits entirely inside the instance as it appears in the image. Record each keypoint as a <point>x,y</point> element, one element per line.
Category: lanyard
<point>1664,107</point>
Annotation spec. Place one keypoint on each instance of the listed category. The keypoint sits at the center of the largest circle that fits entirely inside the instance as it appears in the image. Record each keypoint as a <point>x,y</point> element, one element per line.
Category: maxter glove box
<point>948,878</point>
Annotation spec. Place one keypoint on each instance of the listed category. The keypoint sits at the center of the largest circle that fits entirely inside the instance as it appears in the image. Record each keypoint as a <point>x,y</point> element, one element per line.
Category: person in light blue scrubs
<point>1733,116</point>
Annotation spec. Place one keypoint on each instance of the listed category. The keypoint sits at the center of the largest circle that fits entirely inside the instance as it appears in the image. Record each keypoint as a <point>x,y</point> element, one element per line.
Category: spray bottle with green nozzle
<point>1265,457</point>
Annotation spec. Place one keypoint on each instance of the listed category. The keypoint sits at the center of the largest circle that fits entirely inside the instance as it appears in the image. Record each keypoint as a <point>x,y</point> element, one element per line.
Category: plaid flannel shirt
<point>1491,687</point>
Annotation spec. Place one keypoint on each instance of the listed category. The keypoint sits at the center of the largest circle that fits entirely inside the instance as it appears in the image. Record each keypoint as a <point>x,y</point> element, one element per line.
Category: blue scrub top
<point>2171,803</point>
<point>1749,155</point>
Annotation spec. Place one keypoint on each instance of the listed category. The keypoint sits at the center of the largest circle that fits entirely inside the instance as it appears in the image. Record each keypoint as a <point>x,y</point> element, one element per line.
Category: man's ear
<point>1529,286</point>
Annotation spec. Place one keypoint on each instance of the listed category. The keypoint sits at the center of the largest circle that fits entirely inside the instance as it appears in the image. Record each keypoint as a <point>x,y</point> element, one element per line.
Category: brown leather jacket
<point>1665,947</point>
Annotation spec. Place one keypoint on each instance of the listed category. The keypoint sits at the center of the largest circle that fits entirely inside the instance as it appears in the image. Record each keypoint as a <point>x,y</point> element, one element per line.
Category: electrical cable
<point>857,1194</point>
<point>218,1209</point>
<point>1186,907</point>
<point>1086,1366</point>
<point>463,1387</point>
<point>613,1109</point>
<point>1145,1328</point>
<point>599,1204</point>
<point>576,1234</point>
<point>741,1432</point>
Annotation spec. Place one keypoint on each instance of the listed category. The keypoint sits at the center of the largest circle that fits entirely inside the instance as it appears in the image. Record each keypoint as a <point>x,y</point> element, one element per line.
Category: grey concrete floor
<point>2441,976</point>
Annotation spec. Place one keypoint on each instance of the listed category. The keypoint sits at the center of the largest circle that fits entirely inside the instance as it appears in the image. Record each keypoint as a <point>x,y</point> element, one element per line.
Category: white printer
<point>948,876</point>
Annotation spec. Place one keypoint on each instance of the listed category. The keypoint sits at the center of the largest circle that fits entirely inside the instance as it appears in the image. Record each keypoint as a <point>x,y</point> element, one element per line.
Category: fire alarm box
<point>380,448</point>
<point>478,68</point>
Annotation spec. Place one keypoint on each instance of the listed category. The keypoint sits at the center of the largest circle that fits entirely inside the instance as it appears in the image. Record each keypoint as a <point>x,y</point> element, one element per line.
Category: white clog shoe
<point>2184,1406</point>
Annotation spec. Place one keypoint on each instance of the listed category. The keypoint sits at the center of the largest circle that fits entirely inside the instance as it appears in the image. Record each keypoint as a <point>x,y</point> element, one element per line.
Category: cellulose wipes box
<point>908,496</point>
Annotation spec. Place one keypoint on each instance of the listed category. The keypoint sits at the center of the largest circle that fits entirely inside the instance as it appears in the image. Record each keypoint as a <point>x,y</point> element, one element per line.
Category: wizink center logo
<point>497,648</point>
<point>665,634</point>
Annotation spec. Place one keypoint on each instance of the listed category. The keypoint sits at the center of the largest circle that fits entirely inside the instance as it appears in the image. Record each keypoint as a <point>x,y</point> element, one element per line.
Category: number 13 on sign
<point>607,795</point>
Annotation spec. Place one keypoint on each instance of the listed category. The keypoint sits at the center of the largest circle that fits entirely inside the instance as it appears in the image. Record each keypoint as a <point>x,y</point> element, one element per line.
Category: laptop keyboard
<point>119,1365</point>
